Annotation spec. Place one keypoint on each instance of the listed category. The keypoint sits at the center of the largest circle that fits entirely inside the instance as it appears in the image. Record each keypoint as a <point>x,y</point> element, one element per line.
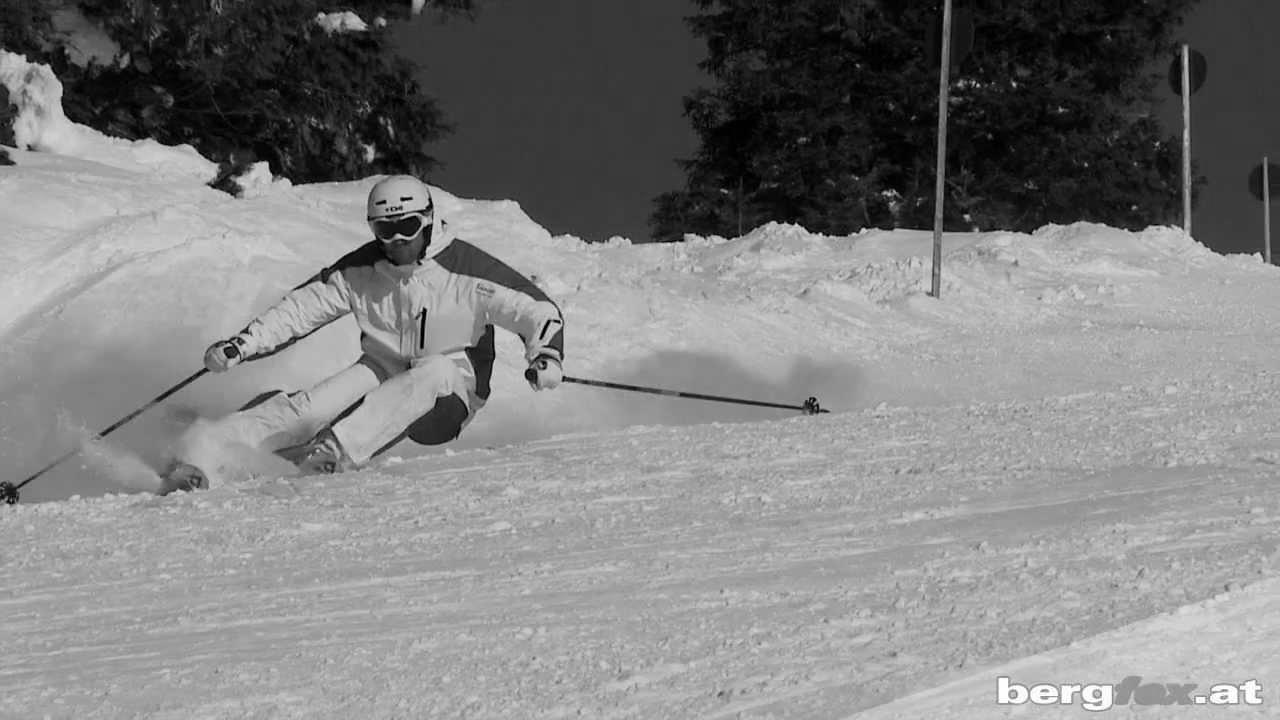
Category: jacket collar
<point>440,239</point>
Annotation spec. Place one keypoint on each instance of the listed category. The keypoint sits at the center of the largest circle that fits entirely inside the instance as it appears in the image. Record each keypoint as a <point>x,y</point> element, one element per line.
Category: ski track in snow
<point>1051,486</point>
<point>1004,487</point>
<point>806,567</point>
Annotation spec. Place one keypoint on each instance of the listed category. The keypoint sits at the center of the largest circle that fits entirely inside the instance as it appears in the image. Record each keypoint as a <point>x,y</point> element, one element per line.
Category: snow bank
<point>341,22</point>
<point>42,126</point>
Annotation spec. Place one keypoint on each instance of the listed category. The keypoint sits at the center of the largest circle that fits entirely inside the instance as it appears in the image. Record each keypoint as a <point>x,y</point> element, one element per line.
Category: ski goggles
<point>401,227</point>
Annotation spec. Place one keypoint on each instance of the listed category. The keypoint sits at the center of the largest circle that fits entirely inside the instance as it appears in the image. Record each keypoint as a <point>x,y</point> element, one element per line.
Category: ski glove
<point>544,373</point>
<point>224,354</point>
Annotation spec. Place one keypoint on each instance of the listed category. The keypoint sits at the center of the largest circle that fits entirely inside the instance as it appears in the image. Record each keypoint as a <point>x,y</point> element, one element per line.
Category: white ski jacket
<point>446,304</point>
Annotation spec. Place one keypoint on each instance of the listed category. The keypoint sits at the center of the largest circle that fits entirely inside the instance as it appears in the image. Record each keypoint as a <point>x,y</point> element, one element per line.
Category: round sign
<point>1273,179</point>
<point>1199,70</point>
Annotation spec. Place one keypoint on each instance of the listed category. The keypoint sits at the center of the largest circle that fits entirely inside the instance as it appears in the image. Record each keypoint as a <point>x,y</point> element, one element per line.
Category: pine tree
<point>824,113</point>
<point>246,80</point>
<point>25,25</point>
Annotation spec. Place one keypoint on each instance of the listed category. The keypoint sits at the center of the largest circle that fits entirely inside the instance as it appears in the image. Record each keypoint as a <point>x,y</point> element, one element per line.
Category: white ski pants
<point>434,399</point>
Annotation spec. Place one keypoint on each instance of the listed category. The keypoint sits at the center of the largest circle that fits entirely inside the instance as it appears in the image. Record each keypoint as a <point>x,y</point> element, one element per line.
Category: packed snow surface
<point>1062,470</point>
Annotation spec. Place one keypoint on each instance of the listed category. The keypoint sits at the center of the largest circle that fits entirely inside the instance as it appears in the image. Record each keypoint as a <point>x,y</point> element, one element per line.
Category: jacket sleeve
<point>523,309</point>
<point>312,305</point>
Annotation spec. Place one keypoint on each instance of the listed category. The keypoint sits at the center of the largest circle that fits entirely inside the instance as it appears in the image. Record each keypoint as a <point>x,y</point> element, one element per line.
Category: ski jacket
<point>446,304</point>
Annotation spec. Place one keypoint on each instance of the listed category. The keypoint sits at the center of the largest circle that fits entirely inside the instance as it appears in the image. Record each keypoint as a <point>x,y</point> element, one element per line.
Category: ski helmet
<point>398,195</point>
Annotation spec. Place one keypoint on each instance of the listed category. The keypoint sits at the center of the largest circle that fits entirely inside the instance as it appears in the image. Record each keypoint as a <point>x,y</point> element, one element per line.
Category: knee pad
<point>442,423</point>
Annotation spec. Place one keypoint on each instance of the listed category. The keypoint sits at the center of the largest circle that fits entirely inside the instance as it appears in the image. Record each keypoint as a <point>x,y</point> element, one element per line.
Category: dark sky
<point>573,109</point>
<point>1235,117</point>
<point>570,107</point>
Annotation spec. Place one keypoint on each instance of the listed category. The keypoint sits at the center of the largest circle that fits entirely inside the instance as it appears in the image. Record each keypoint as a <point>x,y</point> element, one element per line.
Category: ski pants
<point>368,408</point>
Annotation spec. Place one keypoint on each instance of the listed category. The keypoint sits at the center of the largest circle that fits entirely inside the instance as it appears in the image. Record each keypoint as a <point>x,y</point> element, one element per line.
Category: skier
<point>426,305</point>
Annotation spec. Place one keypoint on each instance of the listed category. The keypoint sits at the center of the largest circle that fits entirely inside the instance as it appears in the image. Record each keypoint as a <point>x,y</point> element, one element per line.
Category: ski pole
<point>810,406</point>
<point>9,491</point>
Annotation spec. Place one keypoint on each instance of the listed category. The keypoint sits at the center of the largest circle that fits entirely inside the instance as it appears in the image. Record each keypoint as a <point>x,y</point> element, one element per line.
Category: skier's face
<point>406,252</point>
<point>403,236</point>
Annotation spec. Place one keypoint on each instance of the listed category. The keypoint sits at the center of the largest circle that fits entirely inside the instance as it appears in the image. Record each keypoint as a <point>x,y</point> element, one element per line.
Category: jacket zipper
<point>403,305</point>
<point>422,329</point>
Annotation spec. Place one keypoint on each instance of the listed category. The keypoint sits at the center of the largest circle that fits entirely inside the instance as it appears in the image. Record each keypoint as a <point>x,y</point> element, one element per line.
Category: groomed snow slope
<point>1061,471</point>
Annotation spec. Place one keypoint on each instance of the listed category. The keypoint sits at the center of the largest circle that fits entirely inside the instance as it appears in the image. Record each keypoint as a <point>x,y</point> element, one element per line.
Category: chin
<point>404,254</point>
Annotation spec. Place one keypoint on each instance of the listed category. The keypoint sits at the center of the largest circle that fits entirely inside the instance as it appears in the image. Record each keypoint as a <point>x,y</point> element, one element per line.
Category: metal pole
<point>1266,209</point>
<point>740,186</point>
<point>944,83</point>
<point>1186,138</point>
<point>810,406</point>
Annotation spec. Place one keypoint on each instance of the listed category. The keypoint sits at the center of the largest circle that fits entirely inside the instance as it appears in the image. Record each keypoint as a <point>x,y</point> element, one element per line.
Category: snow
<point>1060,471</point>
<point>42,125</point>
<point>86,41</point>
<point>341,22</point>
<point>258,180</point>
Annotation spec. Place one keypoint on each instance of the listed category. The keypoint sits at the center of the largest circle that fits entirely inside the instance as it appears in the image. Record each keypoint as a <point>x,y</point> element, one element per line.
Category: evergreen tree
<point>824,113</point>
<point>25,25</point>
<point>245,80</point>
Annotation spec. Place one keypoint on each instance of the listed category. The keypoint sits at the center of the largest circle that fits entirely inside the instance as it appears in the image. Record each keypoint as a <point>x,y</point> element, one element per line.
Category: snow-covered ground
<point>1061,471</point>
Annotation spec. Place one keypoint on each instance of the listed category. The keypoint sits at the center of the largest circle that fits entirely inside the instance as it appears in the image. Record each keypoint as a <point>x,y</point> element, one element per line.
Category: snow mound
<point>42,126</point>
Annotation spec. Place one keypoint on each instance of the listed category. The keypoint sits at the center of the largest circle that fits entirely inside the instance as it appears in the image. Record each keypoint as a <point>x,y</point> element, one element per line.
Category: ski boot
<point>182,476</point>
<point>322,454</point>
